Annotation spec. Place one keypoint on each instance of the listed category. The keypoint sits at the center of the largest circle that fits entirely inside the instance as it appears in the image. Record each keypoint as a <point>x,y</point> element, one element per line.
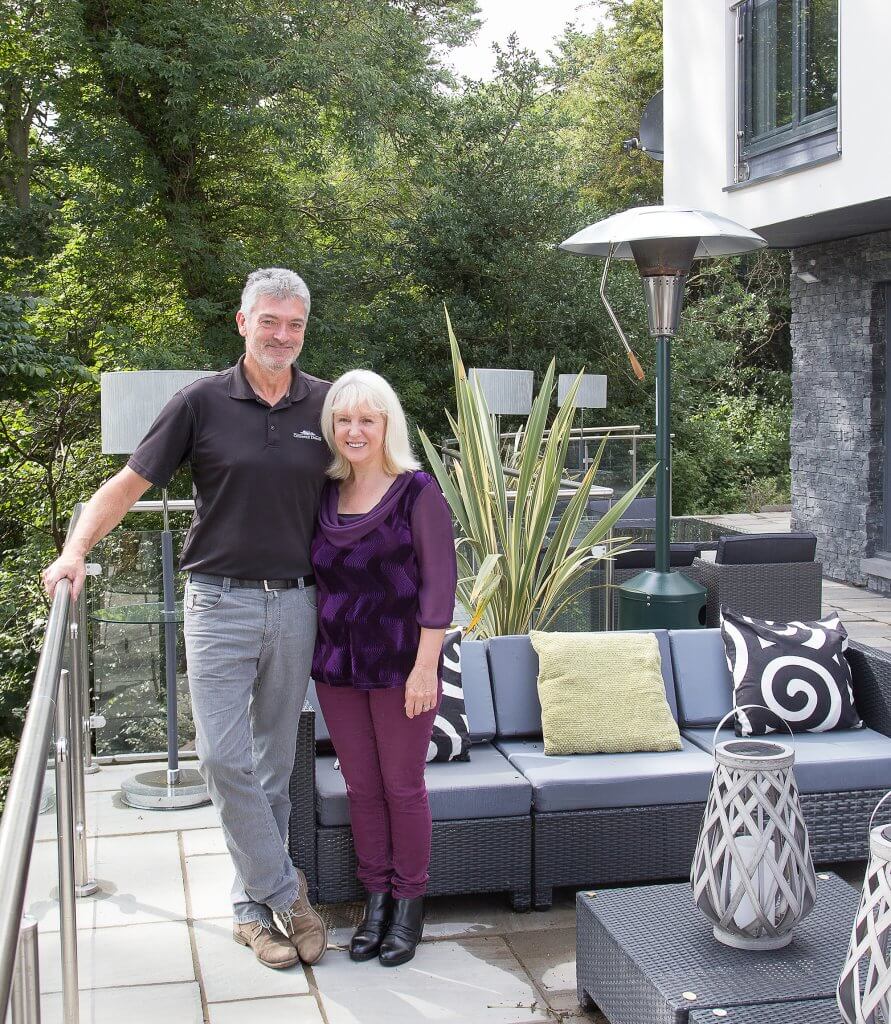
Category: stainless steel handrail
<point>19,822</point>
<point>596,490</point>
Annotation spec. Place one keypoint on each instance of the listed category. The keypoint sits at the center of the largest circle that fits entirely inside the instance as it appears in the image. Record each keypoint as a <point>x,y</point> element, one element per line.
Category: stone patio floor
<point>155,943</point>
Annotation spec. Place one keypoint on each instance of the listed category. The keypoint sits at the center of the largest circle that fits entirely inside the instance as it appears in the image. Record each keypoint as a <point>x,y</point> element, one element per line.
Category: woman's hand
<point>421,690</point>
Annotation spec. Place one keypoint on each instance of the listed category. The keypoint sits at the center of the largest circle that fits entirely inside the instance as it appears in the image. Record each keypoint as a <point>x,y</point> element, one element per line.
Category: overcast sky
<point>536,22</point>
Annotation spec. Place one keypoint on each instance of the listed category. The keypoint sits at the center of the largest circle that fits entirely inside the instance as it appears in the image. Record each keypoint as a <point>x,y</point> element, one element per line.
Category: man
<point>252,437</point>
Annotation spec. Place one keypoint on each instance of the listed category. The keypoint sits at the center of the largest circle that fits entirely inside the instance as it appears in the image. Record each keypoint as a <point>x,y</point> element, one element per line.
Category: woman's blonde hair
<point>362,387</point>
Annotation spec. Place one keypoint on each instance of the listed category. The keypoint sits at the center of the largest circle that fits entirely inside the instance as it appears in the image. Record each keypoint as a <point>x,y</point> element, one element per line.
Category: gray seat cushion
<point>701,676</point>
<point>477,695</point>
<point>486,786</point>
<point>583,782</point>
<point>826,762</point>
<point>513,668</point>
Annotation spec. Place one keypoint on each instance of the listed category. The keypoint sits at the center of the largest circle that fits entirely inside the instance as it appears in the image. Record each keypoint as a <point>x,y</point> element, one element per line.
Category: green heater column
<point>658,598</point>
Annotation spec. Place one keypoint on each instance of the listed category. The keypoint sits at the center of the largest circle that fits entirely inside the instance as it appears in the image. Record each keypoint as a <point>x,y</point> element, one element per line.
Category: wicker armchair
<point>768,575</point>
<point>782,591</point>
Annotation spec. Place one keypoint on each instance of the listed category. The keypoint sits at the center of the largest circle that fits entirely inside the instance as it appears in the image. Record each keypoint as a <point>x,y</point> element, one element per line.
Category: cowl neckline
<point>345,534</point>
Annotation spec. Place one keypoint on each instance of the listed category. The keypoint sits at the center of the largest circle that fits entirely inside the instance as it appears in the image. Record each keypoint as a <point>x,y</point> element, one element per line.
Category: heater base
<point>661,600</point>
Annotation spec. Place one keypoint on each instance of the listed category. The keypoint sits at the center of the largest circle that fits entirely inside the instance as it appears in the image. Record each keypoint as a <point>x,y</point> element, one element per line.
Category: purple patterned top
<point>381,576</point>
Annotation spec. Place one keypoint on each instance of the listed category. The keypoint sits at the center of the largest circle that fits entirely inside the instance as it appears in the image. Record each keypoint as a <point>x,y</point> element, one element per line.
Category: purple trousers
<point>382,754</point>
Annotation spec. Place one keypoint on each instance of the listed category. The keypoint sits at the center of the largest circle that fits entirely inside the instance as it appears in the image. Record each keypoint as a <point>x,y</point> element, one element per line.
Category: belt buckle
<point>266,587</point>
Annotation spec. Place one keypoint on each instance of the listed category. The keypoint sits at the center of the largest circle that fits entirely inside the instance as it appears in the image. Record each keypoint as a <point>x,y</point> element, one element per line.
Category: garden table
<point>809,1011</point>
<point>647,956</point>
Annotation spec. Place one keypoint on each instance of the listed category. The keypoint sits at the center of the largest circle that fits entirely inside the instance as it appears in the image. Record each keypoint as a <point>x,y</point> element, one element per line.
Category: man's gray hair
<point>277,283</point>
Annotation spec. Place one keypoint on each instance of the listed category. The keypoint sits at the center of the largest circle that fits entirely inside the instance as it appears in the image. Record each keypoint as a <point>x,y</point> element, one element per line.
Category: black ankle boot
<point>366,940</point>
<point>404,933</point>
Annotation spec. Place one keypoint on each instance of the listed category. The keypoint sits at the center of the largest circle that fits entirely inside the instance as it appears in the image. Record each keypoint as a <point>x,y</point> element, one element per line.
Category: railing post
<point>26,980</point>
<point>80,661</point>
<point>83,884</point>
<point>608,589</point>
<point>65,825</point>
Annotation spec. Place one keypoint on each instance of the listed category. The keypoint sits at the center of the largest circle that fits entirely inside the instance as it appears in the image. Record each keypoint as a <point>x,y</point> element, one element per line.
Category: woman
<point>384,562</point>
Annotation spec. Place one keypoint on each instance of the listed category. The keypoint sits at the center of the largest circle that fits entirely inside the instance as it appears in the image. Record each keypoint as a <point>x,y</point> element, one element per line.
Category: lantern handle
<point>876,809</point>
<point>743,707</point>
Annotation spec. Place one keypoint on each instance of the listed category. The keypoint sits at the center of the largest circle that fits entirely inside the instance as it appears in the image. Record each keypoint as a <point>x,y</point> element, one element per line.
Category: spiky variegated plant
<point>510,579</point>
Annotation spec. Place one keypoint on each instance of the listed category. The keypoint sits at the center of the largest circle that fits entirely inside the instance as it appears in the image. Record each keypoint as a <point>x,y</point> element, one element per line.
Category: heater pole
<point>663,451</point>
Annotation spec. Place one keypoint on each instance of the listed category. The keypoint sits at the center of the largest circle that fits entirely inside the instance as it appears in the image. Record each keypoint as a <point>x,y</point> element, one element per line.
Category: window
<point>788,89</point>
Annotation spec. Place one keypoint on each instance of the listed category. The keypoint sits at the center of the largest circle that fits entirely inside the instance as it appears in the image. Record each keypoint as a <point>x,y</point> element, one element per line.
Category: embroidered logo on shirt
<point>307,435</point>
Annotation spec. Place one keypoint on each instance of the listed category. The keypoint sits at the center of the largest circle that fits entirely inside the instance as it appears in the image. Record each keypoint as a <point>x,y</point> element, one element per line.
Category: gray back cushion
<point>477,691</point>
<point>322,733</point>
<point>513,667</point>
<point>701,676</point>
<point>761,548</point>
<point>477,695</point>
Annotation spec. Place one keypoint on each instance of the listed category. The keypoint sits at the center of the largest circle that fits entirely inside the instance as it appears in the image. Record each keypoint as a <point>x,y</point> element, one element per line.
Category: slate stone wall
<point>838,392</point>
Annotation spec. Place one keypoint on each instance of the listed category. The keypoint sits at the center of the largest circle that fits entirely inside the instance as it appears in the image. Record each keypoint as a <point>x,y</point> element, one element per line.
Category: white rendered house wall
<point>700,118</point>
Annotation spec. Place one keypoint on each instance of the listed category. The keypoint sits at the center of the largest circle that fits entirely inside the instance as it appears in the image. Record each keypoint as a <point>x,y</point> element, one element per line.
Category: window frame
<point>801,127</point>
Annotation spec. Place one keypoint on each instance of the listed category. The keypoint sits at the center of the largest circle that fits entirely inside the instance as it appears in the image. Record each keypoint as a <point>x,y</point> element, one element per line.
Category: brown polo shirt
<point>257,472</point>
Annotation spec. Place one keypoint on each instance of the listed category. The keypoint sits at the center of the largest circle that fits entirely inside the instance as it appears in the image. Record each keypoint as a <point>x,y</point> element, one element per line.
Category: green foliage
<point>512,576</point>
<point>25,364</point>
<point>152,153</point>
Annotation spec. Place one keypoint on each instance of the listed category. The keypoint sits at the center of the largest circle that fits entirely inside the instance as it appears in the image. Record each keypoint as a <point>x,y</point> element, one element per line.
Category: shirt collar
<point>240,387</point>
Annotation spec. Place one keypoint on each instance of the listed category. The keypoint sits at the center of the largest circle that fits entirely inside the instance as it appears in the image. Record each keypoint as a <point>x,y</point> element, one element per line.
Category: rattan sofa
<point>591,819</point>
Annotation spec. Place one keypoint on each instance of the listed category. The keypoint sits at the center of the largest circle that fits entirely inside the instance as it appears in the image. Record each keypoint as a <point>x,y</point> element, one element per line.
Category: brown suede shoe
<point>304,927</point>
<point>270,947</point>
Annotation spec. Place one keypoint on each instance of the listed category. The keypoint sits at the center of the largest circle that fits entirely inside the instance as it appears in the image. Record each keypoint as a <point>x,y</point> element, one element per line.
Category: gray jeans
<point>249,654</point>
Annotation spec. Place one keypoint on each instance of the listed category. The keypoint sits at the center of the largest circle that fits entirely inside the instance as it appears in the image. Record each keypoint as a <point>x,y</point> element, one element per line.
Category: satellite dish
<point>651,128</point>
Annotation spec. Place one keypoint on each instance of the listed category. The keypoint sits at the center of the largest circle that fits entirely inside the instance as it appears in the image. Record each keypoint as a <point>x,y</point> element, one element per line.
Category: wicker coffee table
<point>811,1011</point>
<point>647,956</point>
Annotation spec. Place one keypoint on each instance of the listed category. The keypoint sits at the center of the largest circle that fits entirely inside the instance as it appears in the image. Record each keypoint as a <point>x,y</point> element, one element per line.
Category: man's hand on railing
<point>66,566</point>
<point>99,516</point>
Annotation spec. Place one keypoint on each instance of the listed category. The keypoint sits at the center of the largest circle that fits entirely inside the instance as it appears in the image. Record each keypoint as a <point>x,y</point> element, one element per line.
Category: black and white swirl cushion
<point>450,740</point>
<point>795,671</point>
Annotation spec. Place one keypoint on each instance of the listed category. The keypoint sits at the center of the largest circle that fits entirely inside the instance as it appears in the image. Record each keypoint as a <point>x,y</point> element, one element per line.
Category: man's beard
<point>270,362</point>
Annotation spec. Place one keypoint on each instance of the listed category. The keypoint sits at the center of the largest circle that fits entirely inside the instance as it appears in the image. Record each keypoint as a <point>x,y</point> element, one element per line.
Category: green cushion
<point>602,693</point>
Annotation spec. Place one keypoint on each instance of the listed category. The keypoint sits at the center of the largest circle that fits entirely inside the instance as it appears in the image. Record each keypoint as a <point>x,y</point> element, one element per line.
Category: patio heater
<point>131,402</point>
<point>663,241</point>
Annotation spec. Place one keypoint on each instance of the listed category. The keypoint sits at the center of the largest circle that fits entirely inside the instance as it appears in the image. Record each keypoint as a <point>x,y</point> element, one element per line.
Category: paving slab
<point>549,956</point>
<point>469,980</point>
<point>140,881</point>
<point>232,972</point>
<point>210,878</point>
<point>867,629</point>
<point>108,815</point>
<point>278,1010</point>
<point>137,954</point>
<point>141,1004</point>
<point>849,616</point>
<point>448,917</point>
<point>198,842</point>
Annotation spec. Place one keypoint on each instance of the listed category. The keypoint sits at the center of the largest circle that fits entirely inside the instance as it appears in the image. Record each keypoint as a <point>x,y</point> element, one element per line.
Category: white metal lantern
<point>752,874</point>
<point>864,988</point>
